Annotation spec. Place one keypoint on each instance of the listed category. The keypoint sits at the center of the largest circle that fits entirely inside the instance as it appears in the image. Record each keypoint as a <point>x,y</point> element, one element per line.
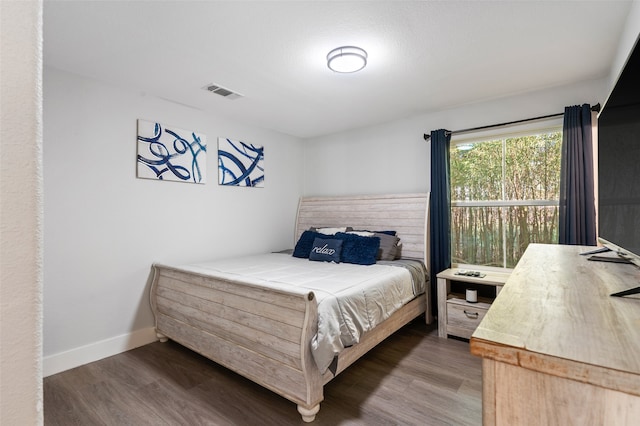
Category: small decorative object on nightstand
<point>471,295</point>
<point>460,313</point>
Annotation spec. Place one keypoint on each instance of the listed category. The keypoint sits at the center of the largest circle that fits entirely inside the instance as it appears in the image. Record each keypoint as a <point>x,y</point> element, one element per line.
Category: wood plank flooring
<point>412,378</point>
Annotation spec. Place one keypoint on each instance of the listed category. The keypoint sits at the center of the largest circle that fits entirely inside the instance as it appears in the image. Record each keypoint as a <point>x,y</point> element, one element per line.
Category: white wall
<point>21,213</point>
<point>104,227</point>
<point>394,157</point>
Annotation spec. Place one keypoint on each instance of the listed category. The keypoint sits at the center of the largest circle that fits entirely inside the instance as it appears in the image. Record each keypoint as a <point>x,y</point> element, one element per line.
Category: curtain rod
<point>595,108</point>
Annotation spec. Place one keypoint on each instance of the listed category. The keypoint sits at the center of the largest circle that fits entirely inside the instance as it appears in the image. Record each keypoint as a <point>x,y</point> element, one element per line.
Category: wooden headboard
<point>407,214</point>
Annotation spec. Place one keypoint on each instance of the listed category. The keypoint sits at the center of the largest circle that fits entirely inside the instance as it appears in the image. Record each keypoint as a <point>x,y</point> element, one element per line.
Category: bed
<point>268,333</point>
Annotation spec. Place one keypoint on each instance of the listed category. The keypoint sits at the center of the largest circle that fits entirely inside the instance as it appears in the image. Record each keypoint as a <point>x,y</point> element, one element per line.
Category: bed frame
<point>265,334</point>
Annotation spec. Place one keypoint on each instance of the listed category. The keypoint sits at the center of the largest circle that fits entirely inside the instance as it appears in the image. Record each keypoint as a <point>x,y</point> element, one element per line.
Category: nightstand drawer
<point>462,319</point>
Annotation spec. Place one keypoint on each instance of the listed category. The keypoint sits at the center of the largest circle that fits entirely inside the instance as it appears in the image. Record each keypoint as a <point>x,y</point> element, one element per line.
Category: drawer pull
<point>471,314</point>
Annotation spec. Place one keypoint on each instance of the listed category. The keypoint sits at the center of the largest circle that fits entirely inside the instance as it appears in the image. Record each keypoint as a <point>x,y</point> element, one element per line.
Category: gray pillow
<point>388,246</point>
<point>399,251</point>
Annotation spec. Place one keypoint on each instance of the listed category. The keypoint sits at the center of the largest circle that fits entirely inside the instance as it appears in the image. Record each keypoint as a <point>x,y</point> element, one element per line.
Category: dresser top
<point>555,310</point>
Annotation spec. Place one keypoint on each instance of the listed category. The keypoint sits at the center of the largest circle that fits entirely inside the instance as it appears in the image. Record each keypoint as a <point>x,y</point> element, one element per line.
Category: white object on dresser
<point>457,316</point>
<point>556,348</point>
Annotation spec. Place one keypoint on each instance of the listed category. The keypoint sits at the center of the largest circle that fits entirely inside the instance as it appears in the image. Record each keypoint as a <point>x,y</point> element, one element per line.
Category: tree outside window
<point>504,195</point>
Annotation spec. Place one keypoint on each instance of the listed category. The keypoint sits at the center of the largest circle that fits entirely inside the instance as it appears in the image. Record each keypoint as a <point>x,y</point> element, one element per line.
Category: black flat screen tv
<point>619,164</point>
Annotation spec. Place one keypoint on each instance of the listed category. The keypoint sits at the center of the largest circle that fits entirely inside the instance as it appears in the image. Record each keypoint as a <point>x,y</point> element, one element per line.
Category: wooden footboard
<point>261,334</point>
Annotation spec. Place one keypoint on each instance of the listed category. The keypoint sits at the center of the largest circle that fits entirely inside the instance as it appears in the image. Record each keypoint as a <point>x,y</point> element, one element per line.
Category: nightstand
<point>456,316</point>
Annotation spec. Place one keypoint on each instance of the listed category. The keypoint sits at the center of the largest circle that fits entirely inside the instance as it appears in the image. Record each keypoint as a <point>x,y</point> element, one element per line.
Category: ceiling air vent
<point>218,90</point>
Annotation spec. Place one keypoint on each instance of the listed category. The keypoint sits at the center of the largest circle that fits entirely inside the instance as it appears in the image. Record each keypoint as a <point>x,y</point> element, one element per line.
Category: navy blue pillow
<point>305,244</point>
<point>357,249</point>
<point>326,250</point>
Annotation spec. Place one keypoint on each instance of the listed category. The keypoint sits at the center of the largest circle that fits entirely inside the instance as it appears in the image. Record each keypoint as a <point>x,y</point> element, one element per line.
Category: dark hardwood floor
<point>412,378</point>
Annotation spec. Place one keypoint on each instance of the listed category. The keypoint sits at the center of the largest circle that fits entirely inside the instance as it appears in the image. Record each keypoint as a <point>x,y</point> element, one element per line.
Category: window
<point>504,195</point>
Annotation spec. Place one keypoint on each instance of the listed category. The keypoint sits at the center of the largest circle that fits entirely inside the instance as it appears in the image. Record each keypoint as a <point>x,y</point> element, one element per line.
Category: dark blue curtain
<point>577,200</point>
<point>440,209</point>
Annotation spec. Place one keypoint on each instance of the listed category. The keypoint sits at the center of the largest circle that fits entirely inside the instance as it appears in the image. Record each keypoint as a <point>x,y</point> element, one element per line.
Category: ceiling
<point>423,55</point>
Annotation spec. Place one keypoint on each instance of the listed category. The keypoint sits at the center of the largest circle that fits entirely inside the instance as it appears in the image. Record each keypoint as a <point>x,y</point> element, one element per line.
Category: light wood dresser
<point>556,348</point>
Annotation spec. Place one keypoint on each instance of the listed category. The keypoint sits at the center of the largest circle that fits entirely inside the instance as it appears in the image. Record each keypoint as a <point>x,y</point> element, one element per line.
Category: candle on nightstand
<point>472,296</point>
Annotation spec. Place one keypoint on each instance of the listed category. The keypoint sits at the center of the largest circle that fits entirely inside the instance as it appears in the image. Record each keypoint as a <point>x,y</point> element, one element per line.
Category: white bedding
<point>352,299</point>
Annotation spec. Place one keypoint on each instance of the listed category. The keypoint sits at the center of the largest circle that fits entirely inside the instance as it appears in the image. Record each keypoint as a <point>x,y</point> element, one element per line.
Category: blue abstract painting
<point>240,163</point>
<point>169,153</point>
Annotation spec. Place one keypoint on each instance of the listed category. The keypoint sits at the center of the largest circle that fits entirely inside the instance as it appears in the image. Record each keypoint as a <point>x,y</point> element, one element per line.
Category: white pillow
<point>330,231</point>
<point>362,233</point>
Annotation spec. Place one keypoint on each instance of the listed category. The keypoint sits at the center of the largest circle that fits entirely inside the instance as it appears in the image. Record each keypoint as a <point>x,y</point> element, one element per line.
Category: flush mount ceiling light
<point>347,59</point>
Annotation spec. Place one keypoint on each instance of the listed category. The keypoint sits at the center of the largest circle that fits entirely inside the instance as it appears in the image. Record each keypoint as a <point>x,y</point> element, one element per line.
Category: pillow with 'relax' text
<point>326,250</point>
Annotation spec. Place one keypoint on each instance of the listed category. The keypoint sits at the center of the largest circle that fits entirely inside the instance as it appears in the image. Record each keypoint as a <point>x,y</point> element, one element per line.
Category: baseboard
<point>67,360</point>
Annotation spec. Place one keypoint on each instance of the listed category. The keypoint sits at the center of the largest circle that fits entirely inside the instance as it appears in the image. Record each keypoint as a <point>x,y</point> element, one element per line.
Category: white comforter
<point>352,299</point>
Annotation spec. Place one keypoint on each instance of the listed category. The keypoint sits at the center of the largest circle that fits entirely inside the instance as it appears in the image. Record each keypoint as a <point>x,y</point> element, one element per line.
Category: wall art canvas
<point>170,153</point>
<point>240,163</point>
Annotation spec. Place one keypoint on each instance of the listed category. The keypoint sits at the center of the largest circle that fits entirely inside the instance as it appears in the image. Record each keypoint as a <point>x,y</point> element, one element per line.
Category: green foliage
<point>523,168</point>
